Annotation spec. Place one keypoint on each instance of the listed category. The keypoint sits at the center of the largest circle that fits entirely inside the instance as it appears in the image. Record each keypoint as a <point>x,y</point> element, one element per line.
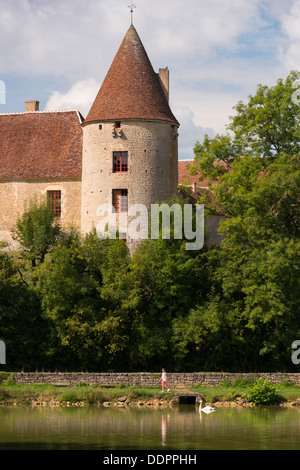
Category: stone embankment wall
<point>144,379</point>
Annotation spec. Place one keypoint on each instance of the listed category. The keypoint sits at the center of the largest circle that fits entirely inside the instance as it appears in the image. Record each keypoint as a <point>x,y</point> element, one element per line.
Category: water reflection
<point>163,430</point>
<point>182,428</point>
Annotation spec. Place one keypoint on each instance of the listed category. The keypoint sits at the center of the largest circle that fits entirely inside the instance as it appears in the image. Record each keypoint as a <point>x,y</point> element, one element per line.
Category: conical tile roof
<point>131,88</point>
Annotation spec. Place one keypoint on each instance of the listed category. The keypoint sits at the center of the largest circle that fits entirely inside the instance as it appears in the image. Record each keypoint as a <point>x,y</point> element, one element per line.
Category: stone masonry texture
<point>145,379</point>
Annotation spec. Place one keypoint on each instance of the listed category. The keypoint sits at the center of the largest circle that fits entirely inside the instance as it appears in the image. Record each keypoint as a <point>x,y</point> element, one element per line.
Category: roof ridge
<point>40,112</point>
<point>25,113</point>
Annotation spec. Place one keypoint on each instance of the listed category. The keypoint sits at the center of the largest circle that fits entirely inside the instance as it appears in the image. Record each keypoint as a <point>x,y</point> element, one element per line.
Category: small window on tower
<point>117,124</point>
<point>120,200</point>
<point>120,162</point>
<point>54,198</point>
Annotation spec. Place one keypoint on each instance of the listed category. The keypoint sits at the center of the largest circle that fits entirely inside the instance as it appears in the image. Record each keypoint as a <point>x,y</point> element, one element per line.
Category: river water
<point>169,429</point>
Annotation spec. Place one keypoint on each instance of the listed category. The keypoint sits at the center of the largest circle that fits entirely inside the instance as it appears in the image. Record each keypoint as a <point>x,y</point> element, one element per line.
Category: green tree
<point>251,314</point>
<point>170,279</point>
<point>88,300</point>
<point>37,230</point>
<point>254,172</point>
<point>260,204</point>
<point>269,123</point>
<point>21,324</point>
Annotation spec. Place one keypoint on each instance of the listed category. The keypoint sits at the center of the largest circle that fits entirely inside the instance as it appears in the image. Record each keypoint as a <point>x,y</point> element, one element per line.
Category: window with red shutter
<point>54,198</point>
<point>120,200</point>
<point>120,163</point>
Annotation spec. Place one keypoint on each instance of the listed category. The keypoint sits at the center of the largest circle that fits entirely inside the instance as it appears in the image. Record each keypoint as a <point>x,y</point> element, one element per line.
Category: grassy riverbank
<point>240,392</point>
<point>80,395</point>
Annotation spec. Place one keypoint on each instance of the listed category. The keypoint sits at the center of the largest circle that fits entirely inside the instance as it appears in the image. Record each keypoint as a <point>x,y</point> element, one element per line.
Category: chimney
<point>32,106</point>
<point>164,80</point>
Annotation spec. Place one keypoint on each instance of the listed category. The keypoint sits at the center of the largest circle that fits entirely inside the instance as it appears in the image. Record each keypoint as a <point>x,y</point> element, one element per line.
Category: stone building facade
<point>40,154</point>
<point>130,145</point>
<point>125,152</point>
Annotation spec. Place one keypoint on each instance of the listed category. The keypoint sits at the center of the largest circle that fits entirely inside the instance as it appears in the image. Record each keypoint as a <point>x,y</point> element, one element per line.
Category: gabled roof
<point>131,89</point>
<point>37,145</point>
<point>185,178</point>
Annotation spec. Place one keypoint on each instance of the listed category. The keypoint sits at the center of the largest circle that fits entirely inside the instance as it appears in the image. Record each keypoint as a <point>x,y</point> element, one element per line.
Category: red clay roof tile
<point>40,145</point>
<point>185,178</point>
<point>131,89</point>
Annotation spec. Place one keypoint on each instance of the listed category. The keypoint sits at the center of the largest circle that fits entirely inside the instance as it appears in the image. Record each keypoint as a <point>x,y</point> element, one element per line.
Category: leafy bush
<point>97,396</point>
<point>71,397</point>
<point>262,392</point>
<point>4,395</point>
<point>3,376</point>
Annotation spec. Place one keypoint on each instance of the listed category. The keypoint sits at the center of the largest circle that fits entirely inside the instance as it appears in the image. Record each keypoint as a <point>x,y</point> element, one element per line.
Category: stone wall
<point>152,166</point>
<point>145,379</point>
<point>14,194</point>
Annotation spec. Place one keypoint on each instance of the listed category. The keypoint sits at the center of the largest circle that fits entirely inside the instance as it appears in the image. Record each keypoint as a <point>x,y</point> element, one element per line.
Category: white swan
<point>206,409</point>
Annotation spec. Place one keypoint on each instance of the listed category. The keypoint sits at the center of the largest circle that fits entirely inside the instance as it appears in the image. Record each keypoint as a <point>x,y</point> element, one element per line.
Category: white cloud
<point>196,26</point>
<point>291,27</point>
<point>73,38</point>
<point>80,96</point>
<point>189,131</point>
<point>57,37</point>
<point>217,51</point>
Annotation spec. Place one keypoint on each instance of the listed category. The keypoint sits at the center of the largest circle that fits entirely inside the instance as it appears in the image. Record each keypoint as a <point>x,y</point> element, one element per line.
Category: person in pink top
<point>163,380</point>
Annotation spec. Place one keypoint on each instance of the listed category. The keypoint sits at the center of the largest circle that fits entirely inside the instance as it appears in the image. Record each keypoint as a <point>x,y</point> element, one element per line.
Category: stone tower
<point>130,138</point>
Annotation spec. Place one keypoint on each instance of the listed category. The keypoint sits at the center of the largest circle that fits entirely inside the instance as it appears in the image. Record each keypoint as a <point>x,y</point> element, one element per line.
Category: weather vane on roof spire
<point>132,6</point>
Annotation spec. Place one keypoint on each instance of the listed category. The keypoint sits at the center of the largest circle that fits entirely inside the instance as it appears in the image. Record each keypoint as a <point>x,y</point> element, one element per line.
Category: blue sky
<point>217,51</point>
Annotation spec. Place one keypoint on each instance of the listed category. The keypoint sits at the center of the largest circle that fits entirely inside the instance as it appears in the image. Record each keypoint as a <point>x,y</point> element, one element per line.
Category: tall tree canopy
<point>254,169</point>
<point>254,177</point>
<point>232,306</point>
